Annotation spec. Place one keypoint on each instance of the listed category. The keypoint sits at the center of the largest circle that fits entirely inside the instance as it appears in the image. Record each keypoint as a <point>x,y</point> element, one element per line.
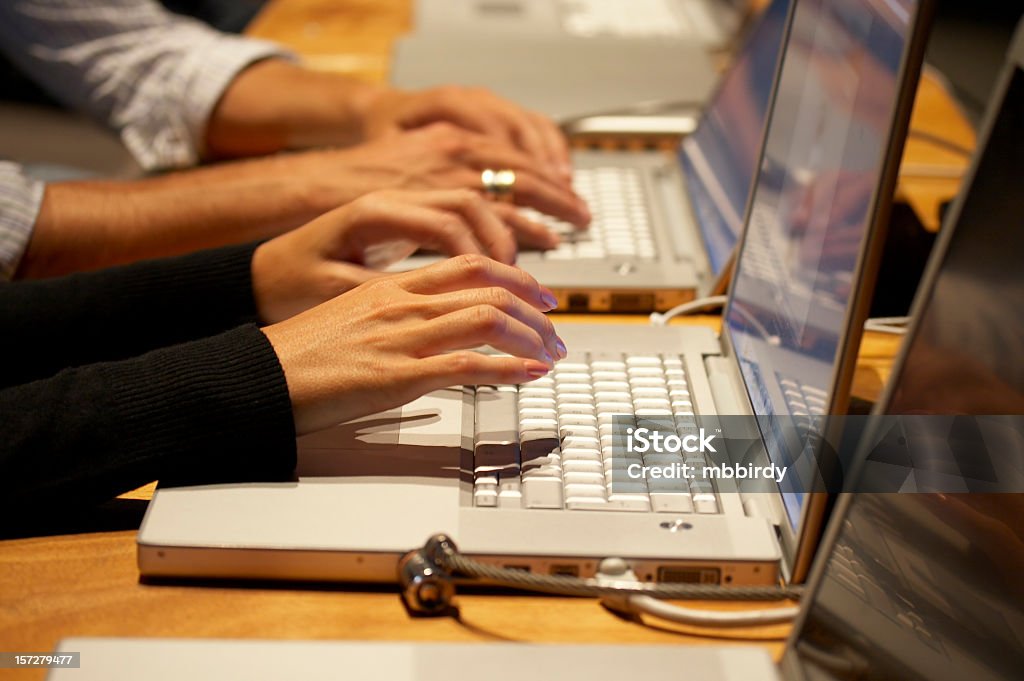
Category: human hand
<point>396,338</point>
<point>326,257</point>
<point>441,156</point>
<point>473,109</point>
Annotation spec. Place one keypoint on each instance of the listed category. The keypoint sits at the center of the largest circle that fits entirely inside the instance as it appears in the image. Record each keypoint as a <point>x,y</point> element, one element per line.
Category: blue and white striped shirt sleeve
<point>20,199</point>
<point>152,76</point>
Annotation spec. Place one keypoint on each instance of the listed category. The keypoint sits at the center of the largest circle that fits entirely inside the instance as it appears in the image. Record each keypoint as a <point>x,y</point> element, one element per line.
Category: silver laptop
<point>709,23</point>
<point>664,230</point>
<point>570,58</point>
<point>531,476</point>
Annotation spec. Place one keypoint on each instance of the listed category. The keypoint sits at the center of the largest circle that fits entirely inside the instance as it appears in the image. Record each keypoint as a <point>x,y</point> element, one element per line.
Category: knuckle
<point>473,265</point>
<point>501,298</point>
<point>460,363</point>
<point>491,322</point>
<point>467,198</point>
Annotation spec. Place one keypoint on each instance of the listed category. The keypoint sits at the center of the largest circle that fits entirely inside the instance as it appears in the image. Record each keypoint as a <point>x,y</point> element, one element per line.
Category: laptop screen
<point>826,148</point>
<point>720,157</point>
<point>926,586</point>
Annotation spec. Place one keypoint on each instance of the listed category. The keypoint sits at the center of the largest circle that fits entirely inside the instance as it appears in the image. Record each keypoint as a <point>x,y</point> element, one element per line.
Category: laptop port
<point>579,302</point>
<point>696,575</point>
<point>632,302</point>
<point>565,570</point>
<point>521,568</point>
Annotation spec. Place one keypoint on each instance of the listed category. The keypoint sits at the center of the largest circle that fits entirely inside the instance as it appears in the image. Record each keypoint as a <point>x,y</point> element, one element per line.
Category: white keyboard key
<point>646,371</point>
<point>536,391</point>
<point>648,381</point>
<point>580,442</point>
<point>571,377</point>
<point>566,418</point>
<point>543,402</point>
<point>644,403</point>
<point>537,413</point>
<point>575,398</point>
<point>653,411</point>
<point>671,502</point>
<point>564,388</point>
<point>485,495</point>
<point>585,490</point>
<point>643,361</point>
<point>705,503</point>
<point>572,409</point>
<point>610,376</point>
<point>576,430</point>
<point>538,424</point>
<point>614,412</point>
<point>576,477</point>
<point>542,492</point>
<point>628,502</point>
<point>510,493</point>
<point>613,396</point>
<point>566,366</point>
<point>582,466</point>
<point>602,387</point>
<point>650,391</point>
<point>608,365</point>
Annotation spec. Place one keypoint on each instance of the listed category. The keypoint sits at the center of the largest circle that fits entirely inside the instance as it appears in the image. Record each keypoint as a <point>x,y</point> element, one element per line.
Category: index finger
<point>474,271</point>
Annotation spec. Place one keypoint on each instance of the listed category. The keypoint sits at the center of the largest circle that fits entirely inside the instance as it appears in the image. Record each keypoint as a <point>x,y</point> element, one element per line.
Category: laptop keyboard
<point>621,18</point>
<point>621,226</point>
<point>548,444</point>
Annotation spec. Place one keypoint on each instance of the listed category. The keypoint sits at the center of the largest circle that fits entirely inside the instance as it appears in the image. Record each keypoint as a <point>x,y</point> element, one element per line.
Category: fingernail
<point>560,347</point>
<point>548,298</point>
<point>548,358</point>
<point>536,369</point>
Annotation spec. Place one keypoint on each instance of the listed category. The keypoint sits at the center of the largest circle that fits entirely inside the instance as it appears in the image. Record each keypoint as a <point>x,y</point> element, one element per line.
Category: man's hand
<point>396,338</point>
<point>275,105</point>
<point>324,258</point>
<point>443,156</point>
<point>474,109</point>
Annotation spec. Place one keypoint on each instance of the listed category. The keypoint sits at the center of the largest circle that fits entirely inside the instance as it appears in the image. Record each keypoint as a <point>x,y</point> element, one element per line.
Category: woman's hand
<point>396,338</point>
<point>326,257</point>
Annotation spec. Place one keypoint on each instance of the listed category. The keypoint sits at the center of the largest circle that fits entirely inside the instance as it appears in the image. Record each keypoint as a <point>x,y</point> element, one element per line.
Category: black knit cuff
<point>210,410</point>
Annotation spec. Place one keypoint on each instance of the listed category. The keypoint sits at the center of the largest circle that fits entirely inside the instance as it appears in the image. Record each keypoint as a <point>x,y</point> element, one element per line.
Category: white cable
<point>893,325</point>
<point>654,607</point>
<point>661,319</point>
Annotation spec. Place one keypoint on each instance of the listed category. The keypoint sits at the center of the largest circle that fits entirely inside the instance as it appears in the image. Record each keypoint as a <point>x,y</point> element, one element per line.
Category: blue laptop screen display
<point>824,154</point>
<point>720,157</point>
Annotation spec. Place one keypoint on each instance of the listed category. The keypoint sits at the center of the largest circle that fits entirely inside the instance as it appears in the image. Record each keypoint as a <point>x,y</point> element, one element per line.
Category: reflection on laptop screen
<point>920,587</point>
<point>720,157</point>
<point>824,153</point>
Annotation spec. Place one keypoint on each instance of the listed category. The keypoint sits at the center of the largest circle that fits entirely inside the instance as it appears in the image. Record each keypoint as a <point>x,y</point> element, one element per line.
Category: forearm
<point>275,105</point>
<point>205,411</point>
<point>90,225</point>
<point>48,325</point>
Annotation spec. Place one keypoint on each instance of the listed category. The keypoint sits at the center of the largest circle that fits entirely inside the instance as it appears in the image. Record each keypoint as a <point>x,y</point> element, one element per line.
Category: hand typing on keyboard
<point>621,224</point>
<point>396,338</point>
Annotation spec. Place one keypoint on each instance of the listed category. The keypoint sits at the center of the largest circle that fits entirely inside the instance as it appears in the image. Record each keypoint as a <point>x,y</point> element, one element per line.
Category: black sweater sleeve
<point>121,312</point>
<point>206,410</point>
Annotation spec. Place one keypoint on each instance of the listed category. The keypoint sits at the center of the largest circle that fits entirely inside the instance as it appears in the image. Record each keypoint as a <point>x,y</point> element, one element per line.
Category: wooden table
<point>88,584</point>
